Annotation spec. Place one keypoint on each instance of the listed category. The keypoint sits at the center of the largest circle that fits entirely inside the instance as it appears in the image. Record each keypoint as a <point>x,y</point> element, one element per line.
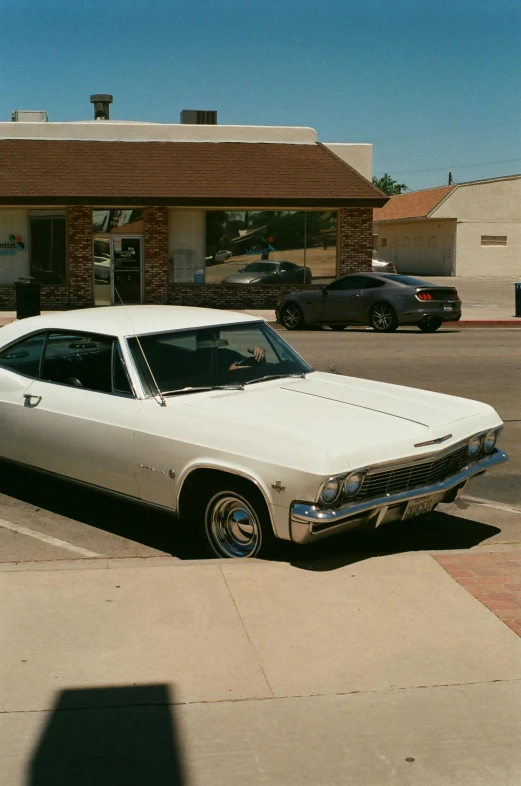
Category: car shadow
<point>122,735</point>
<point>431,532</point>
<point>151,527</point>
<point>162,531</point>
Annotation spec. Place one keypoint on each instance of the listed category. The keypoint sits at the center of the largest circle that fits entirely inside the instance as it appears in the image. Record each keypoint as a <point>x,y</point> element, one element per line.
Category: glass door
<point>118,270</point>
<point>126,260</point>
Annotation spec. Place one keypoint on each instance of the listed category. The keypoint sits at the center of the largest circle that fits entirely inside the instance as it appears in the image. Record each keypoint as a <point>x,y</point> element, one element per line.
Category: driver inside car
<point>224,359</point>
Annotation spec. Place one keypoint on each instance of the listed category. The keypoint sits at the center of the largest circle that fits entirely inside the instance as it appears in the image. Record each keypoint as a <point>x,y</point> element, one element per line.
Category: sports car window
<point>373,283</point>
<point>231,355</point>
<point>349,282</point>
<point>24,357</point>
<point>82,360</point>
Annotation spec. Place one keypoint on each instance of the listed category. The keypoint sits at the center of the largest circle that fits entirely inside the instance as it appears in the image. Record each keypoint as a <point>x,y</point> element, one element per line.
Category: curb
<point>484,323</point>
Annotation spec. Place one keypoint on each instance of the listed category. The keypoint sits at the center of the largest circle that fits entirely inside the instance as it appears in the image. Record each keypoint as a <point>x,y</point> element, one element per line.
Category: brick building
<point>106,211</point>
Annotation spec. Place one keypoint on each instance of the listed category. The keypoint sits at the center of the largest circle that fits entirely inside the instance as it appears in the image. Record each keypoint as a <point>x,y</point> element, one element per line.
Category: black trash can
<point>27,298</point>
<point>517,288</point>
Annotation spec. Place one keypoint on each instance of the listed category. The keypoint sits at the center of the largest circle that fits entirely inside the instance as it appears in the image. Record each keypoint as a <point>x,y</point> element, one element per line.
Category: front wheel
<point>292,317</point>
<point>383,318</point>
<point>431,325</point>
<point>237,524</point>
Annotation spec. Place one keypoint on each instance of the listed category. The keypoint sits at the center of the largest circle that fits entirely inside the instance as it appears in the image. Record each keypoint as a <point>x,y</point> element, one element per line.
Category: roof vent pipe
<point>101,103</point>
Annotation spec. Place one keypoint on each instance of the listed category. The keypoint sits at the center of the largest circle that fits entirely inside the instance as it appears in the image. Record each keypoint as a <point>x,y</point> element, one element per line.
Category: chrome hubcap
<point>291,316</point>
<point>382,317</point>
<point>232,526</point>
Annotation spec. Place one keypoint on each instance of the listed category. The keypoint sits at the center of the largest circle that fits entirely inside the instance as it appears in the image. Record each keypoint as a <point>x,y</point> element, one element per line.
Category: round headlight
<point>330,491</point>
<point>489,442</point>
<point>474,446</point>
<point>353,483</point>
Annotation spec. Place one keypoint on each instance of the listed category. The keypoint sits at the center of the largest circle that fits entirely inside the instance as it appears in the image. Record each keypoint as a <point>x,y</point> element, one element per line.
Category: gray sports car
<point>381,300</point>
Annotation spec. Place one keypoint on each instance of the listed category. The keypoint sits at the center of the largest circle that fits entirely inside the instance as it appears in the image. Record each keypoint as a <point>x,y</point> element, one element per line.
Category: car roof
<point>125,321</point>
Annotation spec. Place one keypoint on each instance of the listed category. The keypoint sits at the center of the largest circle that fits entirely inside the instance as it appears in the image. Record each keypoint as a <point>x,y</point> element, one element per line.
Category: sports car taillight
<point>424,296</point>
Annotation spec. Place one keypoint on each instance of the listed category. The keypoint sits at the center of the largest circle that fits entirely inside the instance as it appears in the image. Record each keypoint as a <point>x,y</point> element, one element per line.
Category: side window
<point>373,283</point>
<point>24,357</point>
<point>82,360</point>
<point>349,282</point>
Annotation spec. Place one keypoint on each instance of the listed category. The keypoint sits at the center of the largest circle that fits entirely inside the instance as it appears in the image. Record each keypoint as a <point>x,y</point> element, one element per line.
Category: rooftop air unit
<point>28,116</point>
<point>199,117</point>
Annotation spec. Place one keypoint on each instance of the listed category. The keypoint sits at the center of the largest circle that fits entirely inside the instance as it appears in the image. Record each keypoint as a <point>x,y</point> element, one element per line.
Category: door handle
<point>29,396</point>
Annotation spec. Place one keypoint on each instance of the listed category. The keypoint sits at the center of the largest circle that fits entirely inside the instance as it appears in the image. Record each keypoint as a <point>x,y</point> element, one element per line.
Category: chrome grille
<point>411,476</point>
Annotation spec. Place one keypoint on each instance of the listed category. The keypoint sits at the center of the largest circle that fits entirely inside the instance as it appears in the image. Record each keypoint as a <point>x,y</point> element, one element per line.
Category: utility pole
<point>450,179</point>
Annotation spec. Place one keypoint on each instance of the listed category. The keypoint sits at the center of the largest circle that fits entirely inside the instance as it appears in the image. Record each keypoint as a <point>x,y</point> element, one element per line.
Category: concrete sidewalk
<point>378,671</point>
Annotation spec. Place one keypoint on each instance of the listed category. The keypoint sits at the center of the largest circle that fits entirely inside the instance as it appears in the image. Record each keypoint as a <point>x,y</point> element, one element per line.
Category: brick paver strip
<point>493,579</point>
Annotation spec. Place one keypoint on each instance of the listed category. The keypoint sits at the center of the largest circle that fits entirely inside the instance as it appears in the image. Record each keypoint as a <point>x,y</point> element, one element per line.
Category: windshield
<point>212,357</point>
<point>261,267</point>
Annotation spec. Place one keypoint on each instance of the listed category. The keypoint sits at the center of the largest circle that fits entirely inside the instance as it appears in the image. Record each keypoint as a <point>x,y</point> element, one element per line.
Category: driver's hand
<point>259,354</point>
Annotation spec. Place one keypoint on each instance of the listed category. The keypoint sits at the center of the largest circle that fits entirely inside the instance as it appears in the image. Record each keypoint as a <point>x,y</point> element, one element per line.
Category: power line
<point>443,133</point>
<point>446,168</point>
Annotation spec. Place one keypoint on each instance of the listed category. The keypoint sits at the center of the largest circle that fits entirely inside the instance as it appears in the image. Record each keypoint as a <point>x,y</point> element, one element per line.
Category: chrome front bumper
<point>310,522</point>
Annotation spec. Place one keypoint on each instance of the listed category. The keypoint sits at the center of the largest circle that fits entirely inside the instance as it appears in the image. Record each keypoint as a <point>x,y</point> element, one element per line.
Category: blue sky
<point>433,85</point>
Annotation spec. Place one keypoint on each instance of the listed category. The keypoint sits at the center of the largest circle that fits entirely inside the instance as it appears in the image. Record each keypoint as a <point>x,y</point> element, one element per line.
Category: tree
<point>388,185</point>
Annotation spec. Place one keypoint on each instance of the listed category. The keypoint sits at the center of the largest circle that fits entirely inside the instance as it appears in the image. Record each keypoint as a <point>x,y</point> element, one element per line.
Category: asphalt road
<point>46,519</point>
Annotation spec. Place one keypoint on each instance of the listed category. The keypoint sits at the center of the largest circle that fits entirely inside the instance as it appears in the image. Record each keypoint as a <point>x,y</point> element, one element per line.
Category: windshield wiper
<point>300,375</point>
<point>180,391</point>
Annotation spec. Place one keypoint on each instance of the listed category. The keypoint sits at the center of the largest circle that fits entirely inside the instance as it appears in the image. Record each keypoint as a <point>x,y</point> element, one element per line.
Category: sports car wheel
<point>292,317</point>
<point>237,524</point>
<point>338,327</point>
<point>431,325</point>
<point>383,318</point>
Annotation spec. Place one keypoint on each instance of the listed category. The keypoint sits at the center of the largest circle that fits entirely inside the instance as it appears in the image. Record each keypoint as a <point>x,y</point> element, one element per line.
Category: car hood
<point>343,420</point>
<point>245,278</point>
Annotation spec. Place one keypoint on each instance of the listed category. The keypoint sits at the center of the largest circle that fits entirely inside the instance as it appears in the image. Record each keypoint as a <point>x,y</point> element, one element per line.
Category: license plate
<point>418,506</point>
<point>447,308</point>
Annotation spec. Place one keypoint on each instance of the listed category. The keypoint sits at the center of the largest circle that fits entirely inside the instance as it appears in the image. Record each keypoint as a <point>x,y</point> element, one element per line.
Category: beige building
<point>469,229</point>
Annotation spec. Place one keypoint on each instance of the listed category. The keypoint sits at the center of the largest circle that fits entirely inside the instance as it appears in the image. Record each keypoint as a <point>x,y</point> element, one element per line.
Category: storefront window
<point>125,221</point>
<point>48,246</point>
<point>241,247</point>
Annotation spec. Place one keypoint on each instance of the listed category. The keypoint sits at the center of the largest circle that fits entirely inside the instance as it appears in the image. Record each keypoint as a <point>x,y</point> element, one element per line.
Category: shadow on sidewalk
<point>431,532</point>
<point>117,736</point>
<point>131,520</point>
<point>160,530</point>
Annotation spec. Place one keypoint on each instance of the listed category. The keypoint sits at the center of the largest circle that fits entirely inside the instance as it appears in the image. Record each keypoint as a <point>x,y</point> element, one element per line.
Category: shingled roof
<point>243,174</point>
<point>415,205</point>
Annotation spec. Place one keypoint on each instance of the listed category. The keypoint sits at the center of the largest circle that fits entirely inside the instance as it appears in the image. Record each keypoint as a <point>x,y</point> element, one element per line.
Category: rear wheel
<point>383,318</point>
<point>292,317</point>
<point>338,327</point>
<point>431,325</point>
<point>237,523</point>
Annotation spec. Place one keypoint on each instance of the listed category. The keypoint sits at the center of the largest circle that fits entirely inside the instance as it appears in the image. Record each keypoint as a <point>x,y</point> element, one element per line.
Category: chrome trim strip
<point>92,486</point>
<point>309,513</point>
<point>425,458</point>
<point>436,441</point>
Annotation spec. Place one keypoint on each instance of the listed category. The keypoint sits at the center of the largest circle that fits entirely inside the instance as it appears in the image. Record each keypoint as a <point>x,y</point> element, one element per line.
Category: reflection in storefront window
<point>270,247</point>
<point>126,221</point>
<point>48,246</point>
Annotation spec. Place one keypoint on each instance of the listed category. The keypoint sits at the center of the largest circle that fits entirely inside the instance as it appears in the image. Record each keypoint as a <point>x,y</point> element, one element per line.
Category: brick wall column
<point>79,256</point>
<point>156,255</point>
<point>355,239</point>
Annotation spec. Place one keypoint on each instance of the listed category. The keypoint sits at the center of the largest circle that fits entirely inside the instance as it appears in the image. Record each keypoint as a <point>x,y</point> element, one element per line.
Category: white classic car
<point>213,416</point>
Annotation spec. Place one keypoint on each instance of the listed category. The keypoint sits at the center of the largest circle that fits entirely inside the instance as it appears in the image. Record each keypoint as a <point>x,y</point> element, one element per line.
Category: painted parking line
<point>488,503</point>
<point>61,544</point>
